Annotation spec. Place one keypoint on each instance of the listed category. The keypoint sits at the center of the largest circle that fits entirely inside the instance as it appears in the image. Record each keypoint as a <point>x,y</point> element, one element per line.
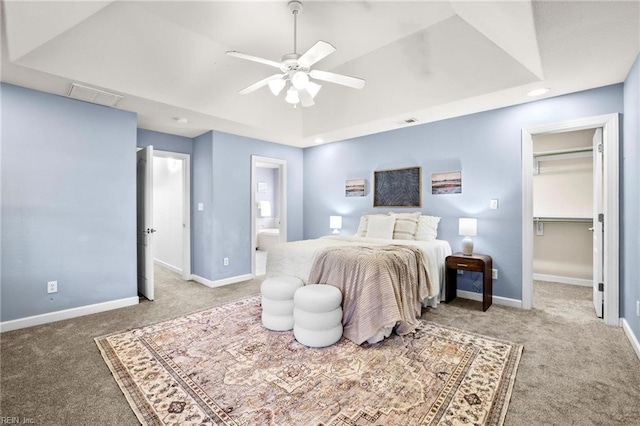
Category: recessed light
<point>538,92</point>
<point>181,120</point>
<point>318,140</point>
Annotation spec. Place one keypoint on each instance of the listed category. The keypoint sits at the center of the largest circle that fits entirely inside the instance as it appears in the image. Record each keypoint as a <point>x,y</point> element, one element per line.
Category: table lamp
<point>335,223</point>
<point>467,227</point>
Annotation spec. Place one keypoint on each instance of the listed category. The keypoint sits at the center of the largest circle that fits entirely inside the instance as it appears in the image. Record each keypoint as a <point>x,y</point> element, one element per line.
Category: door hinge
<point>601,217</point>
<point>600,286</point>
<point>599,147</point>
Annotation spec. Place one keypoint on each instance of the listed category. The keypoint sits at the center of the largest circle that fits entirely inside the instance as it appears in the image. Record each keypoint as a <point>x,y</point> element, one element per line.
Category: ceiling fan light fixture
<point>292,96</point>
<point>297,70</point>
<point>276,86</point>
<point>313,88</point>
<point>300,79</point>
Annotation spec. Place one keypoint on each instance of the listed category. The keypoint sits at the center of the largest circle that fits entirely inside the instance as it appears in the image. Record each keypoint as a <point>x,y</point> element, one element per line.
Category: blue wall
<point>202,192</point>
<point>485,146</point>
<point>232,199</point>
<point>630,288</point>
<point>68,203</point>
<point>165,142</point>
<point>68,191</point>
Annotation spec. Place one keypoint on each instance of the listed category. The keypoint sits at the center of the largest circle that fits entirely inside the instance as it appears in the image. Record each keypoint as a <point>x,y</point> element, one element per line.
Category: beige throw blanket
<point>381,286</point>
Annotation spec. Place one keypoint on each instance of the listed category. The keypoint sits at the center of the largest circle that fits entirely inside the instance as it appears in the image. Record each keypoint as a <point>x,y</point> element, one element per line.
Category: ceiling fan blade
<point>261,83</point>
<point>344,80</point>
<point>305,98</point>
<point>317,52</point>
<point>253,58</point>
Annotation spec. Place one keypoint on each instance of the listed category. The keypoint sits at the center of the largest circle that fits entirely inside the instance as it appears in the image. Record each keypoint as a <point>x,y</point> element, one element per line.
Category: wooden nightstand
<point>476,263</point>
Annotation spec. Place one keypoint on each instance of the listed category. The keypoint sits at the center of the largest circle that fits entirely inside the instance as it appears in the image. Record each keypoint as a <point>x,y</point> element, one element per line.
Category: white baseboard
<point>220,283</point>
<point>168,266</point>
<point>498,300</point>
<point>632,337</point>
<point>563,280</point>
<point>66,314</point>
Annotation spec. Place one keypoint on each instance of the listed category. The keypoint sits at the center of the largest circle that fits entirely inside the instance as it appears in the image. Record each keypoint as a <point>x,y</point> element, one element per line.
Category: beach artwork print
<point>354,188</point>
<point>446,183</point>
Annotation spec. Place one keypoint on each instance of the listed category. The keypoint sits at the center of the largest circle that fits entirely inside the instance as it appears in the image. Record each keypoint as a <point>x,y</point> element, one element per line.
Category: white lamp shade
<point>335,222</point>
<point>292,96</point>
<point>276,86</point>
<point>467,226</point>
<point>300,80</point>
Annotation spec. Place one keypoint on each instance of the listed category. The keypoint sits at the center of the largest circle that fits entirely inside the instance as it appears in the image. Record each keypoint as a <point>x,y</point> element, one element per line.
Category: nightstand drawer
<point>457,262</point>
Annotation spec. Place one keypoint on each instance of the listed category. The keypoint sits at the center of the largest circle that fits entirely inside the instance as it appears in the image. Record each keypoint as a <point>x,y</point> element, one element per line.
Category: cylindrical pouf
<point>277,302</point>
<point>317,315</point>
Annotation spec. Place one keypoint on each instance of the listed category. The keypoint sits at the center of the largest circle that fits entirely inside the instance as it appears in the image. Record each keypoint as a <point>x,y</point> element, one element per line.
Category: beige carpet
<point>574,370</point>
<point>220,366</point>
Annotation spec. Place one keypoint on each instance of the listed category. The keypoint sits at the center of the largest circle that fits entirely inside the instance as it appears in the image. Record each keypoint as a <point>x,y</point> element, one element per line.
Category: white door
<point>144,195</point>
<point>598,229</point>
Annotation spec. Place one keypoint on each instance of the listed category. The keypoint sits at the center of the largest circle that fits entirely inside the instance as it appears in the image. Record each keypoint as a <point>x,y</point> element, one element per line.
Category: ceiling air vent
<point>96,96</point>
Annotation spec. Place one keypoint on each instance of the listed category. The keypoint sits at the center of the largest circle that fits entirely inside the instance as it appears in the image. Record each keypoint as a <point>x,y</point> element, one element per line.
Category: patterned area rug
<point>221,367</point>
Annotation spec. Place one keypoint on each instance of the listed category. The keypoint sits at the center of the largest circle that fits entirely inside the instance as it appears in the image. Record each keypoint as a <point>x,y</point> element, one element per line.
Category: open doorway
<point>163,211</point>
<point>563,212</point>
<point>171,212</point>
<point>268,212</point>
<point>604,216</point>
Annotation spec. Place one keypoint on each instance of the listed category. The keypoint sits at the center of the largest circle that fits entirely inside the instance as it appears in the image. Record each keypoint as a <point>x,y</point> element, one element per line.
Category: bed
<point>268,238</point>
<point>377,305</point>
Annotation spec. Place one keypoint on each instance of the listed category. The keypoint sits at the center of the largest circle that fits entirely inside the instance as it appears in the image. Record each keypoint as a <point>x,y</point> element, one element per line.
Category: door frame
<point>186,207</point>
<point>611,147</point>
<point>282,181</point>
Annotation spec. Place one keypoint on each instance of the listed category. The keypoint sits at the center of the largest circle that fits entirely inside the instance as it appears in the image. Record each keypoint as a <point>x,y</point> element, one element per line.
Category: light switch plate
<point>494,204</point>
<point>200,207</point>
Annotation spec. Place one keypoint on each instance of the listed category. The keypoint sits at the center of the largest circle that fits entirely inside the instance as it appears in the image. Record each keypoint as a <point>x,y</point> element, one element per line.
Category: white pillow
<point>427,228</point>
<point>381,226</point>
<point>406,225</point>
<point>364,223</point>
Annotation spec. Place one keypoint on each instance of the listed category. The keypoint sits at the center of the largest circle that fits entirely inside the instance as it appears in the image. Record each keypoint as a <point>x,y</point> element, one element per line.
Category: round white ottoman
<point>317,315</point>
<point>277,302</point>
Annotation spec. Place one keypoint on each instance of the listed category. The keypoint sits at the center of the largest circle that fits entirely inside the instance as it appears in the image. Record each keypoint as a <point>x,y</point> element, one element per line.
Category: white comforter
<point>296,258</point>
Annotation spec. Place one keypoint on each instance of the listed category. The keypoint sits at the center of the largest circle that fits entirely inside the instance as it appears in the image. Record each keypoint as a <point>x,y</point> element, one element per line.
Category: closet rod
<point>560,154</point>
<point>564,219</point>
<point>576,150</point>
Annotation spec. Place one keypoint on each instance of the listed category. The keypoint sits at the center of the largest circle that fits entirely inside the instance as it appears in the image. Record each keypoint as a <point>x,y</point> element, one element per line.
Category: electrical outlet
<point>225,261</point>
<point>52,286</point>
<point>638,308</point>
<point>494,274</point>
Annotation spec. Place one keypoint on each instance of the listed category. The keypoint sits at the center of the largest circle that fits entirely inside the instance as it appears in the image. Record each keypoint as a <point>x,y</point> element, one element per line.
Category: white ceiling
<point>428,60</point>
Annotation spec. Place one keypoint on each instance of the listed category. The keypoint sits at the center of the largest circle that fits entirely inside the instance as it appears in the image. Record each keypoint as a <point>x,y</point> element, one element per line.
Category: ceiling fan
<point>296,70</point>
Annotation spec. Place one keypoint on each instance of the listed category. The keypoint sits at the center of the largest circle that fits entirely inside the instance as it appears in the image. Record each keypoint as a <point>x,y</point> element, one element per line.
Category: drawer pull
<point>463,264</point>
